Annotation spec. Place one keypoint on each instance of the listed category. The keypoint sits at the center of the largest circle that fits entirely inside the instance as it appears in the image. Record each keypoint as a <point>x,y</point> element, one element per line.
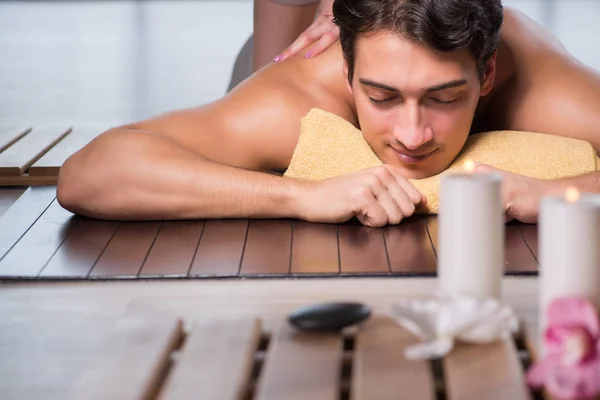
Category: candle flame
<point>571,195</point>
<point>469,166</point>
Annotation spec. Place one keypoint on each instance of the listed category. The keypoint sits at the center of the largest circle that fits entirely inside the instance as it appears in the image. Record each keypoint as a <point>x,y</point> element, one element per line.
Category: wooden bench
<point>41,240</point>
<point>33,156</point>
<point>121,339</point>
<point>147,358</point>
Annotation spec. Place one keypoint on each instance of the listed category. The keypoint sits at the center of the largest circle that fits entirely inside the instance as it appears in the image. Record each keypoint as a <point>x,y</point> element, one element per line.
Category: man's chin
<point>418,171</point>
<point>410,173</point>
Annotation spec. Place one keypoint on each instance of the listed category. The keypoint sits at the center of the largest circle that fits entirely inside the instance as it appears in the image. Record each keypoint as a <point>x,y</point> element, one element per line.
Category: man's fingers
<point>397,194</point>
<point>372,213</point>
<point>413,194</point>
<point>390,198</point>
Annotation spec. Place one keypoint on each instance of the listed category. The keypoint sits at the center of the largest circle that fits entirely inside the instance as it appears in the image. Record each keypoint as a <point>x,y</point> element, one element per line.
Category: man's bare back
<point>537,87</point>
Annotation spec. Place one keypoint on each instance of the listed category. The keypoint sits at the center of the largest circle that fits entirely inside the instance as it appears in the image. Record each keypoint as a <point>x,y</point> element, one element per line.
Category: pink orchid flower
<point>571,368</point>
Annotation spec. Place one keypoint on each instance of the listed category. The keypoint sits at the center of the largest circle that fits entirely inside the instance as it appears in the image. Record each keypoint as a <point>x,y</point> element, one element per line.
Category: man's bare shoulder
<point>256,125</point>
<point>542,87</point>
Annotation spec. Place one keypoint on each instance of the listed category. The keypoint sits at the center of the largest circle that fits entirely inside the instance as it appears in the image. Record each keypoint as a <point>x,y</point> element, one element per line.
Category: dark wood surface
<point>220,248</point>
<point>315,249</point>
<point>41,240</point>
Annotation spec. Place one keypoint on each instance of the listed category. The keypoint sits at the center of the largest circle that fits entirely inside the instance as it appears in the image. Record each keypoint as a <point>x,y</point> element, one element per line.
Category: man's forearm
<point>589,183</point>
<point>136,175</point>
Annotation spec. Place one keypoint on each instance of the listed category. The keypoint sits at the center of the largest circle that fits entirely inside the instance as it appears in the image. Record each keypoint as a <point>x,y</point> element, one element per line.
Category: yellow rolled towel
<point>330,146</point>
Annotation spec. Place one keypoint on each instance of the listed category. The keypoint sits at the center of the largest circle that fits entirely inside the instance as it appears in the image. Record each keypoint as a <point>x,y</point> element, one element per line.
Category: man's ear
<point>489,75</point>
<point>346,69</point>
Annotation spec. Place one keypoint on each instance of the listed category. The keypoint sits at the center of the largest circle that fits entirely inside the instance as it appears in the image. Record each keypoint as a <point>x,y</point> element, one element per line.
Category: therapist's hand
<point>321,34</point>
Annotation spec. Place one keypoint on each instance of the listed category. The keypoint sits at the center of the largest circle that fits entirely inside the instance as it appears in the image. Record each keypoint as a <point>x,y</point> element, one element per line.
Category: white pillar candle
<point>471,229</point>
<point>569,253</point>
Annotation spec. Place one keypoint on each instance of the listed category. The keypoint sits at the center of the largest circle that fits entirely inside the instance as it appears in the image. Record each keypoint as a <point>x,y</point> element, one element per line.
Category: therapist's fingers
<point>313,33</point>
<point>324,43</point>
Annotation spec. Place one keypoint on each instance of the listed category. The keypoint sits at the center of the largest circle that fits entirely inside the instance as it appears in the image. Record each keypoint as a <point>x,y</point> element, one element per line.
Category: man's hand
<point>376,196</point>
<point>521,195</point>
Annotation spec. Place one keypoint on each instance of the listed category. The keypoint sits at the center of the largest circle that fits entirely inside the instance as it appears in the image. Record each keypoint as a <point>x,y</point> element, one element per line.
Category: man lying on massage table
<point>416,76</point>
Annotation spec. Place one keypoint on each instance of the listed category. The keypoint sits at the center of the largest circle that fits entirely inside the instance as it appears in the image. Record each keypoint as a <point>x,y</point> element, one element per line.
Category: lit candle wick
<point>571,195</point>
<point>469,166</point>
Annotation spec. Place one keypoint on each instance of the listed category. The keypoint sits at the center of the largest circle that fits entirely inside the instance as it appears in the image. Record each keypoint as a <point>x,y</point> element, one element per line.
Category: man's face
<point>415,105</point>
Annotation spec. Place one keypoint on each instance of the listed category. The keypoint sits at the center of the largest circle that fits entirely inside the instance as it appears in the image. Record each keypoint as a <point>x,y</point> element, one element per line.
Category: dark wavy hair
<point>444,25</point>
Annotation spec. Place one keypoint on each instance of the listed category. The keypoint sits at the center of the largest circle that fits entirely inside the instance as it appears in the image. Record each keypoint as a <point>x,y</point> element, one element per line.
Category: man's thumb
<point>484,168</point>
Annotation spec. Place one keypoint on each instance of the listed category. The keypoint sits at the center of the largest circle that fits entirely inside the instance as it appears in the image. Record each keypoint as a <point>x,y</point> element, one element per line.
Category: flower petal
<point>574,382</point>
<point>574,311</point>
<point>428,350</point>
<point>554,339</point>
<point>417,316</point>
<point>590,376</point>
<point>536,374</point>
<point>476,320</point>
<point>500,325</point>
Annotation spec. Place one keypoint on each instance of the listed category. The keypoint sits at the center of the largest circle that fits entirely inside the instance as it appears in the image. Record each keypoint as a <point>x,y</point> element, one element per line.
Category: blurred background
<point>111,62</point>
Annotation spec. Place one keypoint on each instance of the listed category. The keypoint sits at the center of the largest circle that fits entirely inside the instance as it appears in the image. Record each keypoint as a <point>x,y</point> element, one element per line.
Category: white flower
<point>442,321</point>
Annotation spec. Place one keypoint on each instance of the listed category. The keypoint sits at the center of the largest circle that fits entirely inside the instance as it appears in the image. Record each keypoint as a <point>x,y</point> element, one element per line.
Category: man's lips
<point>413,158</point>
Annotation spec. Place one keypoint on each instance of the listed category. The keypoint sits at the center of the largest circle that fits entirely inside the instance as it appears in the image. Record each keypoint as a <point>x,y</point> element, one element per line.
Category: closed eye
<point>383,101</point>
<point>433,99</point>
<point>443,102</point>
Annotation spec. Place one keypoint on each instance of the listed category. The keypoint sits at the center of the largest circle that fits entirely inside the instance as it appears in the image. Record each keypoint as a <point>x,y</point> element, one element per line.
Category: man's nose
<point>411,129</point>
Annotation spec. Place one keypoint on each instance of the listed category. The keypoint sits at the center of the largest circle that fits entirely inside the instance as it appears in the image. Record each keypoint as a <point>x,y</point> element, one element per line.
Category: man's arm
<point>551,93</point>
<point>197,163</point>
<point>589,183</point>
<point>129,174</point>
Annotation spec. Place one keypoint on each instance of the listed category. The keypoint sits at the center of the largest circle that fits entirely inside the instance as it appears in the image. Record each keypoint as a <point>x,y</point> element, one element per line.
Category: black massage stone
<point>329,317</point>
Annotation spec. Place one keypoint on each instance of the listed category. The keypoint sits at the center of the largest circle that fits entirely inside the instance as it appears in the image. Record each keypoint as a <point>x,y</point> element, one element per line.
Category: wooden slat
<point>8,197</point>
<point>530,234</point>
<point>301,366</point>
<point>132,361</point>
<point>22,215</point>
<point>27,180</point>
<point>519,259</point>
<point>381,371</point>
<point>220,249</point>
<point>18,158</point>
<point>215,362</point>
<point>173,249</point>
<point>362,249</point>
<point>314,249</point>
<point>410,249</point>
<point>127,250</point>
<point>9,135</point>
<point>432,228</point>
<point>36,247</point>
<point>86,240</point>
<point>268,248</point>
<point>50,163</point>
<point>490,371</point>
